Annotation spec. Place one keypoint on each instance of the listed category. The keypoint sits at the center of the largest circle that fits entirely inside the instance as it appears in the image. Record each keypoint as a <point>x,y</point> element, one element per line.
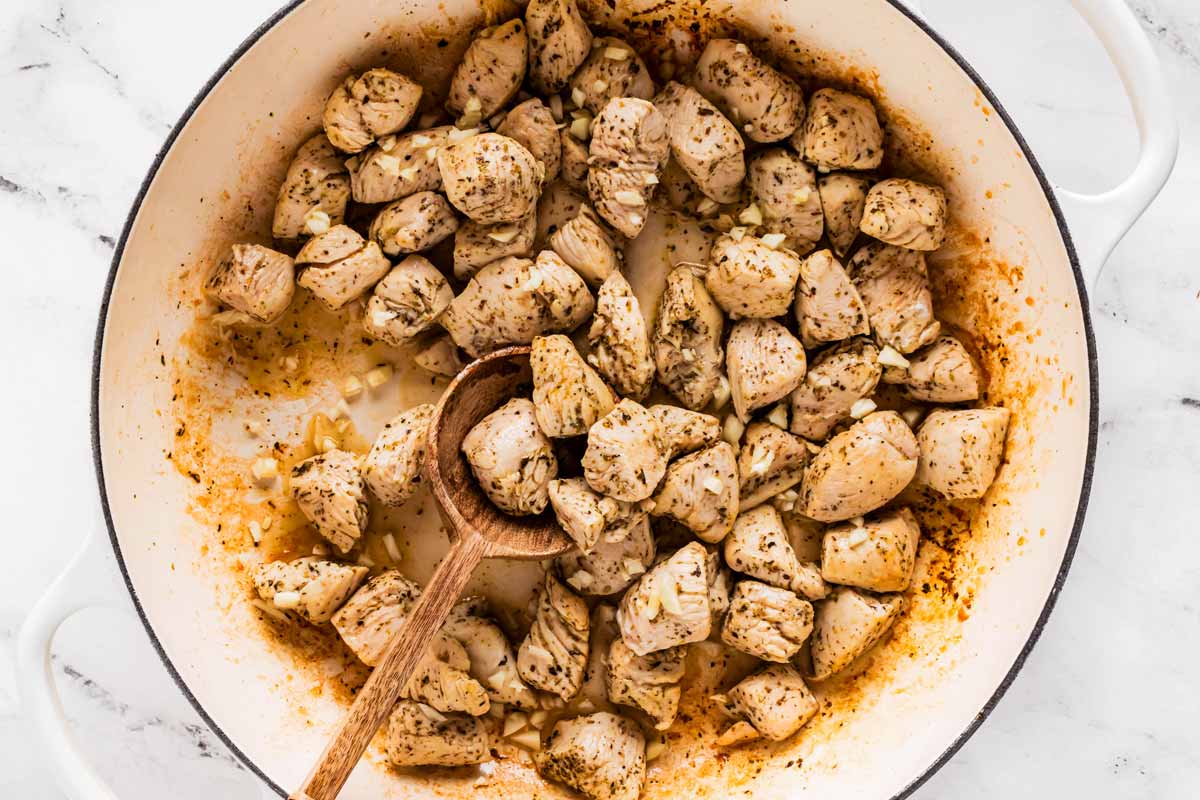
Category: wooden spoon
<point>477,530</point>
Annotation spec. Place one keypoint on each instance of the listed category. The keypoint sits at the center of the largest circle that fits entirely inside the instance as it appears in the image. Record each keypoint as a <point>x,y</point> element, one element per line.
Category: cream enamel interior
<point>216,185</point>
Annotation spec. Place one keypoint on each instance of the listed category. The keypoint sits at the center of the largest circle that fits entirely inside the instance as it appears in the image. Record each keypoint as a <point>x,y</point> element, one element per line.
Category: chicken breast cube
<point>775,700</point>
<point>860,469</point>
<point>843,198</point>
<point>407,301</point>
<point>767,622</point>
<point>255,280</point>
<point>568,395</point>
<point>321,586</point>
<point>336,279</point>
<point>785,190</point>
<point>758,546</point>
<point>532,124</point>
<point>603,632</point>
<point>704,143</point>
<point>837,379</point>
<point>686,430</point>
<point>841,132</point>
<point>700,491</point>
<point>440,356</point>
<point>418,735</point>
<point>398,166</point>
<point>669,605</point>
<point>314,192</point>
<point>629,149</point>
<point>879,554</point>
<point>687,338</point>
<point>415,223</point>
<point>574,161</point>
<point>720,580</point>
<point>559,41</point>
<point>618,338</point>
<point>767,105</point>
<point>586,246</point>
<point>943,372</point>
<point>626,453</point>
<point>493,663</point>
<point>392,468</point>
<point>612,69</point>
<point>828,306</point>
<point>616,560</point>
<point>491,72</point>
<point>894,285</point>
<point>846,626</point>
<point>649,682</point>
<point>748,278</point>
<point>555,652</point>
<point>375,613</point>
<point>477,245</point>
<point>513,300</point>
<point>961,450</point>
<point>770,461</point>
<point>588,516</point>
<point>330,491</point>
<point>491,178</point>
<point>764,363</point>
<point>906,213</point>
<point>364,107</point>
<point>512,459</point>
<point>601,755</point>
<point>442,680</point>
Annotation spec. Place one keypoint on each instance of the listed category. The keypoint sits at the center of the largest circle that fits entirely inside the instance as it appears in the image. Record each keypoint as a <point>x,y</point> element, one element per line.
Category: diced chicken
<point>313,587</point>
<point>398,166</point>
<point>906,213</point>
<point>586,246</point>
<point>418,735</point>
<point>588,516</point>
<point>767,105</point>
<point>764,363</point>
<point>843,198</point>
<point>629,149</point>
<point>680,192</point>
<point>686,430</point>
<point>407,301</point>
<point>478,245</point>
<point>770,461</point>
<point>558,205</point>
<point>841,132</point>
<point>512,459</point>
<point>568,395</point>
<point>649,682</point>
<point>559,41</point>
<point>748,278</point>
<point>330,491</point>
<point>720,582</point>
<point>574,161</point>
<point>617,559</point>
<point>943,372</point>
<point>961,450</point>
<point>603,631</point>
<point>314,192</point>
<point>758,546</point>
<point>491,178</point>
<point>440,356</point>
<point>601,755</point>
<point>846,626</point>
<point>805,535</point>
<point>626,453</point>
<point>414,223</point>
<point>879,555</point>
<point>493,663</point>
<point>340,266</point>
<point>775,700</point>
<point>704,143</point>
<point>553,656</point>
<point>619,341</point>
<point>687,338</point>
<point>513,300</point>
<point>375,613</point>
<point>254,280</point>
<point>392,468</point>
<point>612,69</point>
<point>442,680</point>
<point>828,306</point>
<point>766,621</point>
<point>532,124</point>
<point>700,490</point>
<point>362,108</point>
<point>860,469</point>
<point>785,190</point>
<point>669,605</point>
<point>491,72</point>
<point>894,286</point>
<point>837,379</point>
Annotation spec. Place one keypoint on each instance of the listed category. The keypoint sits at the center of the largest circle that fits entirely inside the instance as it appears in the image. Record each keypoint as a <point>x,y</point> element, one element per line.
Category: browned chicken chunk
<point>628,152</point>
<point>559,41</point>
<point>532,124</point>
<point>706,145</point>
<point>894,286</point>
<point>601,755</point>
<point>906,213</point>
<point>767,105</point>
<point>828,306</point>
<point>314,193</point>
<point>785,190</point>
<point>414,223</point>
<point>841,132</point>
<point>961,450</point>
<point>255,280</point>
<point>407,301</point>
<point>490,73</point>
<point>877,553</point>
<point>365,107</point>
<point>491,178</point>
<point>843,198</point>
<point>612,69</point>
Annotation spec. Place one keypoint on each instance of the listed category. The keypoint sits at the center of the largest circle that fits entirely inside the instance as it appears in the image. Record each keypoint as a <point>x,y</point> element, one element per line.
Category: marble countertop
<point>1105,706</point>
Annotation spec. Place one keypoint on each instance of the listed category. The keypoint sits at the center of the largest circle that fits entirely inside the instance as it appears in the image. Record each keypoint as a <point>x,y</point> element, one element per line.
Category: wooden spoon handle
<point>393,672</point>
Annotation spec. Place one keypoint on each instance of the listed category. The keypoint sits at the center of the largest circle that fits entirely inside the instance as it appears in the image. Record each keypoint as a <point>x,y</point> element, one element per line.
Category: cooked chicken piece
<point>255,280</point>
<point>943,372</point>
<point>532,124</point>
<point>603,631</point>
<point>748,278</point>
<point>586,246</point>
<point>758,546</point>
<point>392,468</point>
<point>314,193</point>
<point>612,69</point>
<point>415,223</point>
<point>418,735</point>
<point>828,306</point>
<point>512,459</point>
<point>805,535</point>
<point>766,621</point>
<point>906,213</point>
<point>785,190</point>
<point>767,105</point>
<point>559,41</point>
<point>961,450</point>
<point>311,587</point>
<point>860,469</point>
<point>602,755</point>
<point>588,516</point>
<point>440,356</point>
<point>478,245</point>
<point>706,145</point>
<point>512,300</point>
<point>669,605</point>
<point>493,663</point>
<point>558,205</point>
<point>764,363</point>
<point>364,107</point>
<point>700,490</point>
<point>846,626</point>
<point>841,132</point>
<point>574,161</point>
<point>616,560</point>
<point>626,453</point>
<point>678,189</point>
<point>837,379</point>
<point>491,71</point>
<point>407,301</point>
<point>894,285</point>
<point>770,461</point>
<point>442,679</point>
<point>368,620</point>
<point>618,338</point>
<point>686,430</point>
<point>720,582</point>
<point>878,553</point>
<point>843,198</point>
<point>398,166</point>
<point>555,652</point>
<point>340,266</point>
<point>491,178</point>
<point>775,700</point>
<point>330,491</point>
<point>687,338</point>
<point>649,682</point>
<point>568,395</point>
<point>629,149</point>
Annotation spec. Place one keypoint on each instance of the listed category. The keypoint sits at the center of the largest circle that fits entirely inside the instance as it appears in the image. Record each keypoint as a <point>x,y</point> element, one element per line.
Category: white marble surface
<point>1107,704</point>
